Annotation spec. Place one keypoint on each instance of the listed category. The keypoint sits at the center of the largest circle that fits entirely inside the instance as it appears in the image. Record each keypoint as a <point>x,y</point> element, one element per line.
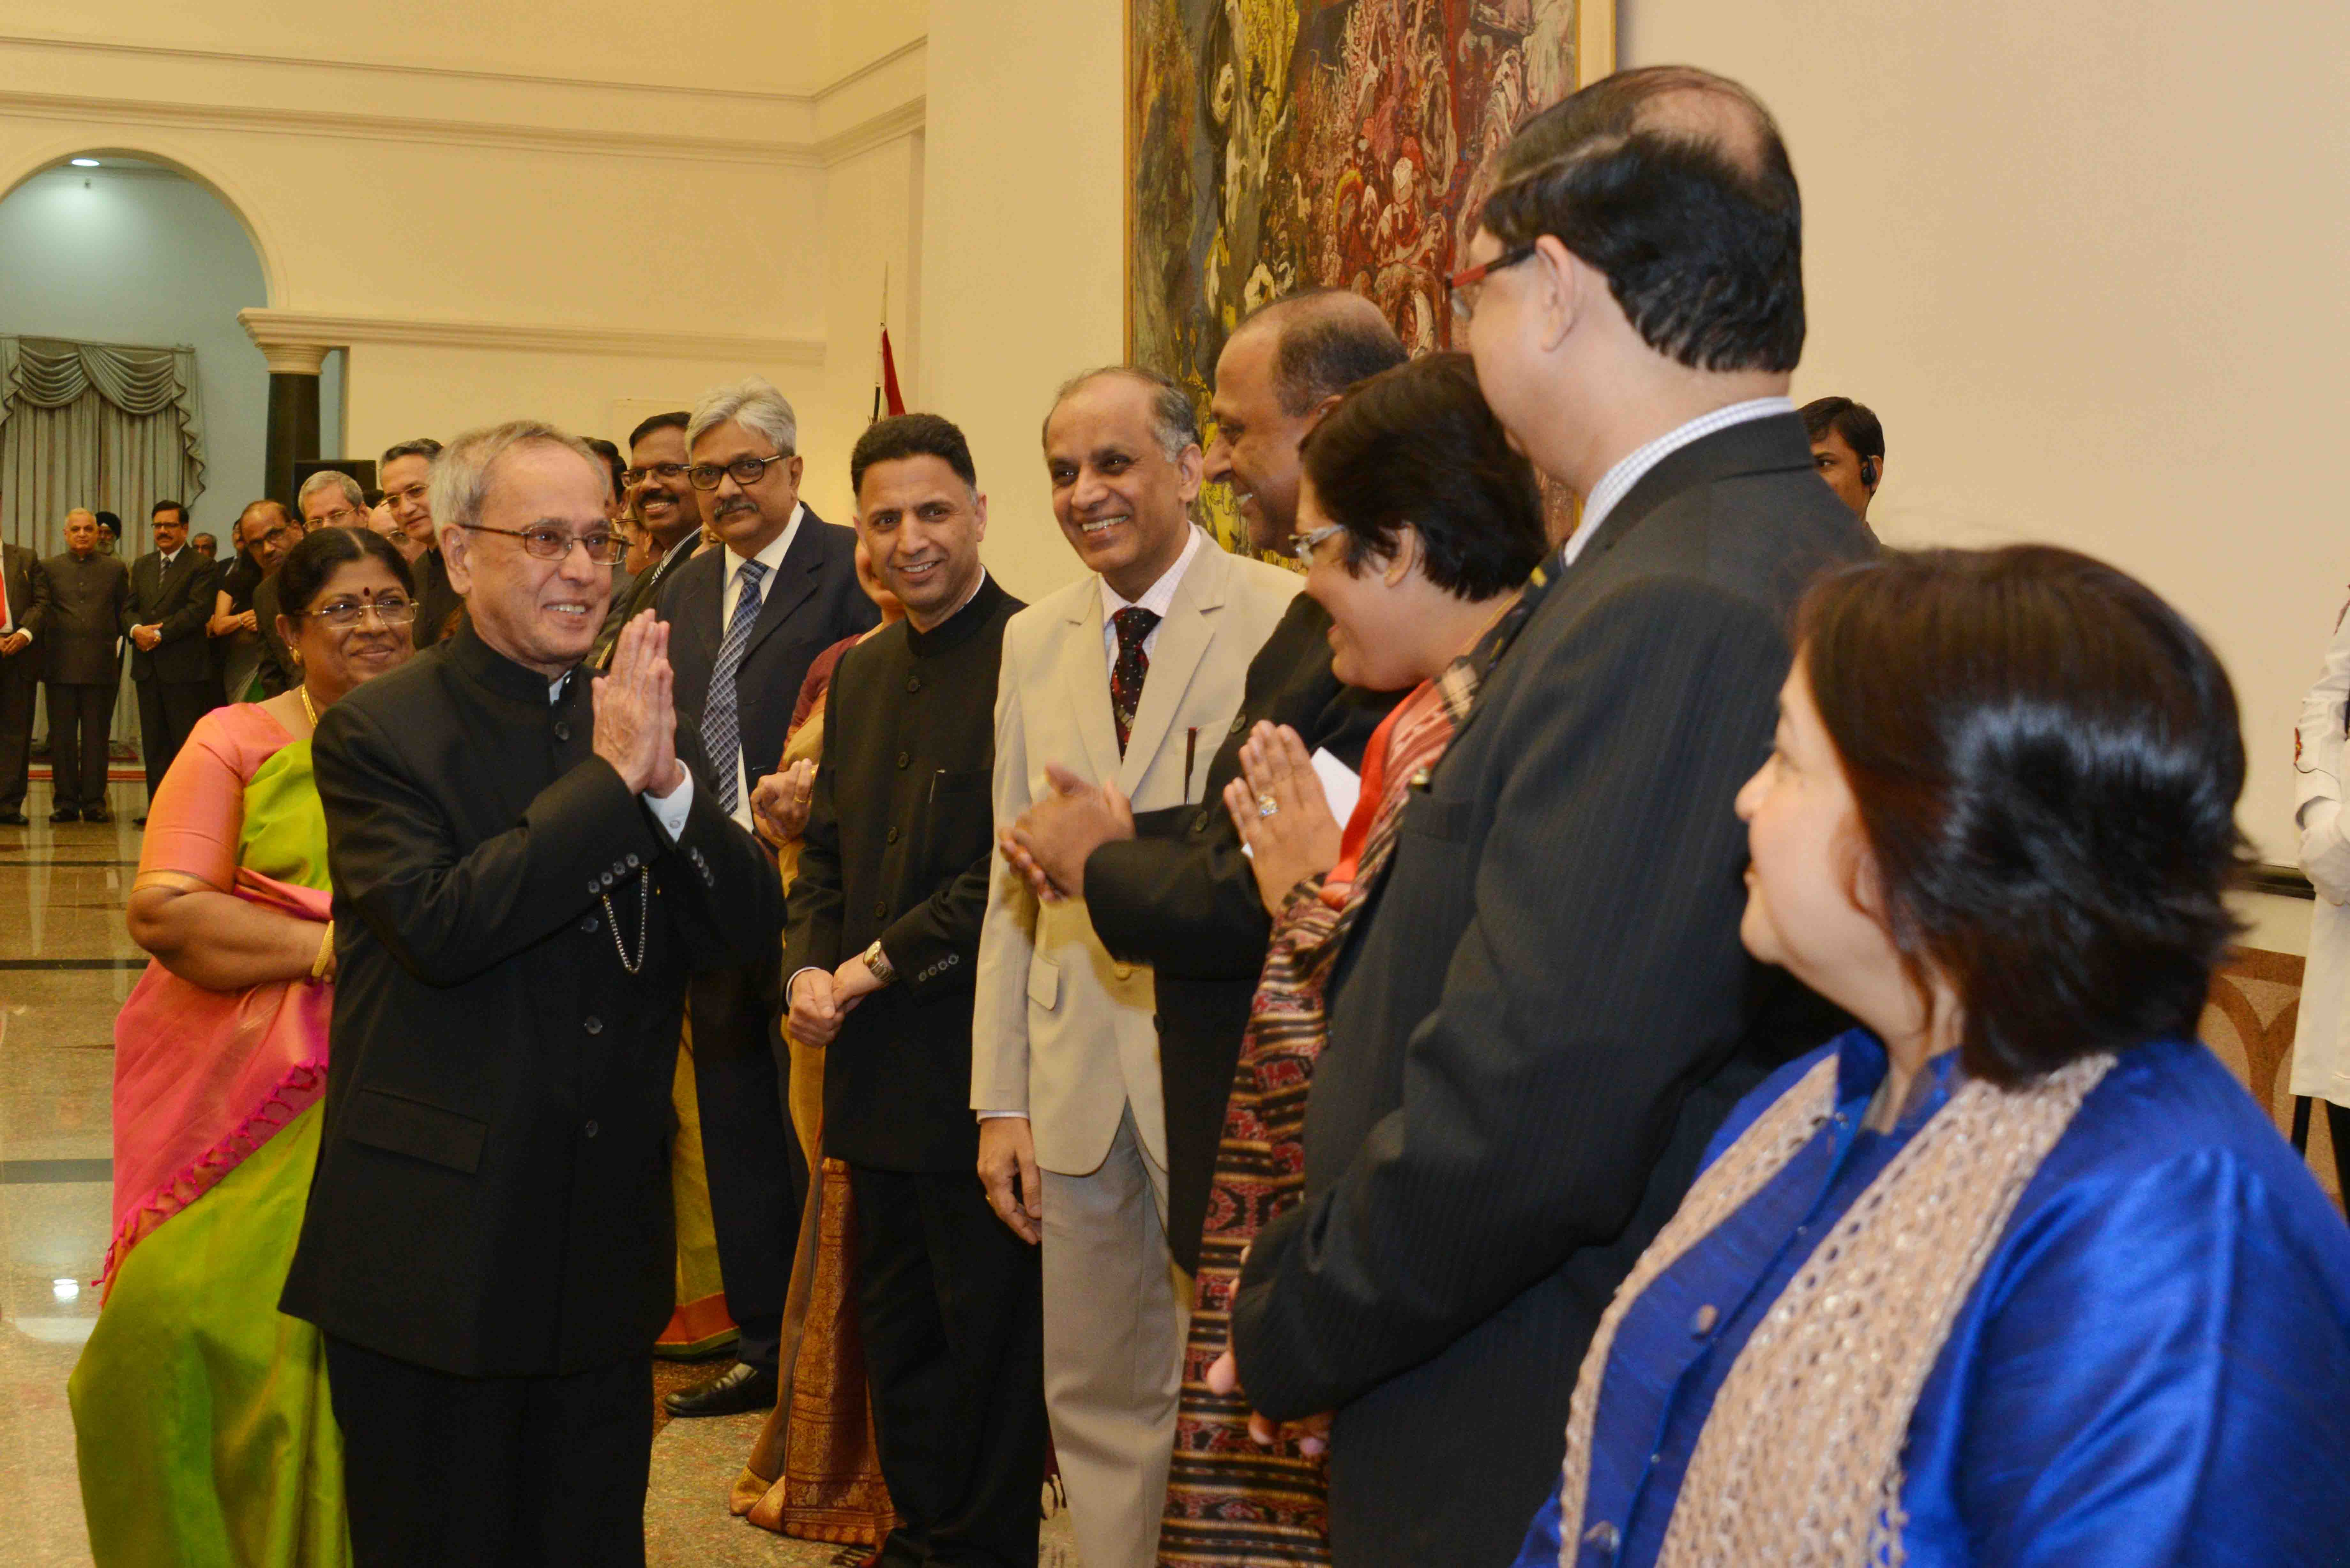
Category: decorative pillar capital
<point>294,359</point>
<point>286,355</point>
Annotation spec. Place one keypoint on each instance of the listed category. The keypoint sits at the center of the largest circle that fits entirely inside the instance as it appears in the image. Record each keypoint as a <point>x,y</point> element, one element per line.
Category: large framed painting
<point>1284,144</point>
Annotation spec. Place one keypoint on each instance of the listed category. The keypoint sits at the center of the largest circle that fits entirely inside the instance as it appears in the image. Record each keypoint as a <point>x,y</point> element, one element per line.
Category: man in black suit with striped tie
<point>1545,1011</point>
<point>748,621</point>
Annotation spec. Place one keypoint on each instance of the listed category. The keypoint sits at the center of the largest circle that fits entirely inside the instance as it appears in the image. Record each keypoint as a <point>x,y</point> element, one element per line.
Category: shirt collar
<point>772,557</point>
<point>1861,1066</point>
<point>950,632</point>
<point>1160,597</point>
<point>1617,482</point>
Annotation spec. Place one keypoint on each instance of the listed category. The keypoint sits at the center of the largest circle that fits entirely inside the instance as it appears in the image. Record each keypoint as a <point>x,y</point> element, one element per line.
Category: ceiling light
<point>85,162</point>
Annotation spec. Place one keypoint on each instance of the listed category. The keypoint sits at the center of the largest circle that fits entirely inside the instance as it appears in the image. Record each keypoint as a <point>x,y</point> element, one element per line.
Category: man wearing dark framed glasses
<point>747,621</point>
<point>1526,1056</point>
<point>665,506</point>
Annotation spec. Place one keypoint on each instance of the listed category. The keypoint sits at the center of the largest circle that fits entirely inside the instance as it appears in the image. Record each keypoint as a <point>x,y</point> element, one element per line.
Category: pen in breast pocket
<point>1191,748</point>
<point>935,777</point>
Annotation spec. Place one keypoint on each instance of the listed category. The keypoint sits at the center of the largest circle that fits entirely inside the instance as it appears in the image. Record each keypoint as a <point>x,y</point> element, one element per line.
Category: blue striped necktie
<point>722,734</point>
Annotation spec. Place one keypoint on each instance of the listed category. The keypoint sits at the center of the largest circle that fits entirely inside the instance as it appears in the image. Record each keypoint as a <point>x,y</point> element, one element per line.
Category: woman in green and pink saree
<point>201,1421</point>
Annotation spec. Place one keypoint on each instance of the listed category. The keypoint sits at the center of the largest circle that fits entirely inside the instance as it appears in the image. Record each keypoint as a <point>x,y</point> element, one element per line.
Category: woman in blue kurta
<point>2014,1272</point>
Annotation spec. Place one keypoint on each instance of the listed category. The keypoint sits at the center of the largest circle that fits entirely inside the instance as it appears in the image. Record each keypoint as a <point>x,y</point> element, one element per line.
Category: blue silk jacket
<point>2153,1368</point>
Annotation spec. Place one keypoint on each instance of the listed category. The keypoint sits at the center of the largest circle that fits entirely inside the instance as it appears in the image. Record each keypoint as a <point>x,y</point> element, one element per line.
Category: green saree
<point>202,1424</point>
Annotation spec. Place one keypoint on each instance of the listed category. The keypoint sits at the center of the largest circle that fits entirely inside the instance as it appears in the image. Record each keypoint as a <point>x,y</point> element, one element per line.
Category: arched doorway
<point>104,248</point>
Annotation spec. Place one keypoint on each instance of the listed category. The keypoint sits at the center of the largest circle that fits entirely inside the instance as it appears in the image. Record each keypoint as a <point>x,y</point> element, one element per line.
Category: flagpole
<point>878,339</point>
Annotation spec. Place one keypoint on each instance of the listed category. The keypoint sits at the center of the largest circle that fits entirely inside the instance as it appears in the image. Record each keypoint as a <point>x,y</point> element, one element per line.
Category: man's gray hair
<point>333,479</point>
<point>752,402</point>
<point>461,471</point>
<point>1173,420</point>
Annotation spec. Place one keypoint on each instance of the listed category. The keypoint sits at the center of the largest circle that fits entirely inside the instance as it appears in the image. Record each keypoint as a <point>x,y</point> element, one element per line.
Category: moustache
<point>739,503</point>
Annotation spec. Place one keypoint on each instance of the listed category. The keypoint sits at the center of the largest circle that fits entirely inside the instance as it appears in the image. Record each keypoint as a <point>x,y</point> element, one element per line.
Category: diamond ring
<point>1266,805</point>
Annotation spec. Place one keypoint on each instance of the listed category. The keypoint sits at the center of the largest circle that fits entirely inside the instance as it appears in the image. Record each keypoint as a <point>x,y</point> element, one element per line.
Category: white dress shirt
<point>1157,599</point>
<point>772,557</point>
<point>1617,482</point>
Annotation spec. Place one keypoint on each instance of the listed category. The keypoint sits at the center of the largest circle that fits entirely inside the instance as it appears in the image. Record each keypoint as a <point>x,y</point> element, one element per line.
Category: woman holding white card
<point>1416,526</point>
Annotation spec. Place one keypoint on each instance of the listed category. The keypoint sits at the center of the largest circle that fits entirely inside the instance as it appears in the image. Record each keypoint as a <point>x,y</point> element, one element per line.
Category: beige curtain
<point>98,425</point>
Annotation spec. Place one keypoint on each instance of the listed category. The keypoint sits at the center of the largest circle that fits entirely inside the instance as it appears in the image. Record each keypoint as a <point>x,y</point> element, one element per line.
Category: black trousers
<point>503,1472</point>
<point>19,677</point>
<point>168,710</point>
<point>81,720</point>
<point>951,1306</point>
<point>758,1177</point>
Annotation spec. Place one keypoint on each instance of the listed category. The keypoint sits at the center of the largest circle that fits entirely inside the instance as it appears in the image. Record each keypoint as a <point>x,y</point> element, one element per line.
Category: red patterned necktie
<point>1133,623</point>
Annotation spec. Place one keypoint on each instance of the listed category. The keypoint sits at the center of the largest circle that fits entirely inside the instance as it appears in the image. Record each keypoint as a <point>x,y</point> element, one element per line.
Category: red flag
<point>887,393</point>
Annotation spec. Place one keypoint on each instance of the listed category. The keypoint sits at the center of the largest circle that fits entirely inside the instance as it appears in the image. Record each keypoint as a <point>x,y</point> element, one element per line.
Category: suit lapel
<point>700,595</point>
<point>1183,639</point>
<point>1086,674</point>
<point>795,582</point>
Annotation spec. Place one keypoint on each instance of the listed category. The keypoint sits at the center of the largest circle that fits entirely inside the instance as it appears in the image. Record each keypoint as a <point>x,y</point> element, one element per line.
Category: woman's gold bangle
<point>318,965</point>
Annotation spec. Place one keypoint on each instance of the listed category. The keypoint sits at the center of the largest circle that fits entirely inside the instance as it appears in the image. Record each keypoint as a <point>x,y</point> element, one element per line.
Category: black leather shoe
<point>97,814</point>
<point>14,819</point>
<point>740,1387</point>
<point>65,814</point>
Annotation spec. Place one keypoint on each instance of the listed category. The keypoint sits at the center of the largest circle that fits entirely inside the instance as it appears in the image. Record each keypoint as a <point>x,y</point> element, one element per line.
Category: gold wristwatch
<point>878,962</point>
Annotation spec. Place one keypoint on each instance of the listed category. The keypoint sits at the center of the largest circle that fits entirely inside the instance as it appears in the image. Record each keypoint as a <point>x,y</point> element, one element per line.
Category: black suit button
<point>562,731</point>
<point>903,759</point>
<point>589,924</point>
<point>1240,723</point>
<point>881,908</point>
<point>913,683</point>
<point>890,836</point>
<point>593,1025</point>
<point>1200,823</point>
<point>591,1130</point>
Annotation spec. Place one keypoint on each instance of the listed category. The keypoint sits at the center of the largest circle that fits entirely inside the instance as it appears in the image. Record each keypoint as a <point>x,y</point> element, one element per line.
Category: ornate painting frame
<point>1273,145</point>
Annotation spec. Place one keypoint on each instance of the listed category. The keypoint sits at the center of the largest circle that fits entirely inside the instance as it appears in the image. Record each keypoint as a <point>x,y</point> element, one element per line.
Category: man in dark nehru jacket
<point>523,874</point>
<point>885,920</point>
<point>1169,889</point>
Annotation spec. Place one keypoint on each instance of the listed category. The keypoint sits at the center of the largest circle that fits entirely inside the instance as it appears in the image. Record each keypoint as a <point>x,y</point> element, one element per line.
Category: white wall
<point>1023,223</point>
<point>2084,259</point>
<point>498,216</point>
<point>745,47</point>
<point>142,257</point>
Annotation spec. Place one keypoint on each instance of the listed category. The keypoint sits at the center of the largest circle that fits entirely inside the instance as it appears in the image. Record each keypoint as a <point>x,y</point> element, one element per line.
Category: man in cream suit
<point>1130,676</point>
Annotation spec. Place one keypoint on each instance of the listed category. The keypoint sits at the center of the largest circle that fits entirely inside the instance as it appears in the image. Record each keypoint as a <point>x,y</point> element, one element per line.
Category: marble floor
<point>66,966</point>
